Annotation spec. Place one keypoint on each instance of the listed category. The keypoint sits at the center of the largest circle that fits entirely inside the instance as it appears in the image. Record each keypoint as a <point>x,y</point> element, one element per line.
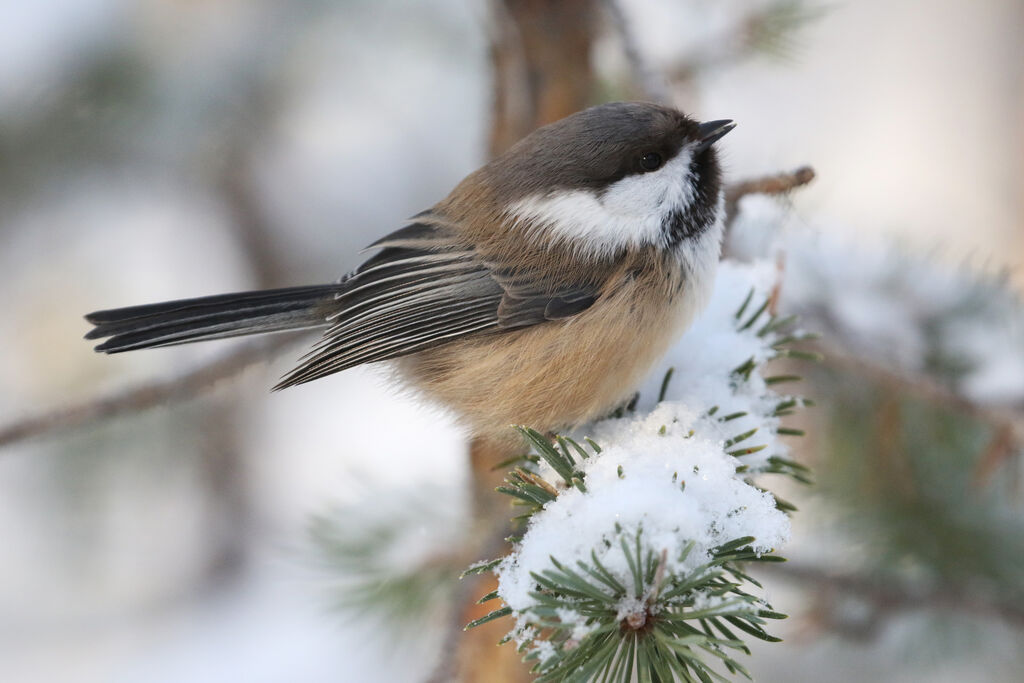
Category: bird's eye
<point>650,161</point>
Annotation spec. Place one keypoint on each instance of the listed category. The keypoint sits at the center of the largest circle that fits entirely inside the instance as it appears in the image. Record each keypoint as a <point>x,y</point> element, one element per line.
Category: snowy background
<point>171,546</point>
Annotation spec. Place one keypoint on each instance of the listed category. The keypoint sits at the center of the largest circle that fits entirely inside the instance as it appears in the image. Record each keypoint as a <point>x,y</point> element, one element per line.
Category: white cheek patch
<point>630,213</point>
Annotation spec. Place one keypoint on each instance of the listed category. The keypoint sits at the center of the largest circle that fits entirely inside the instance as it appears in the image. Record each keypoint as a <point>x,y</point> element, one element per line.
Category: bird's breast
<point>560,374</point>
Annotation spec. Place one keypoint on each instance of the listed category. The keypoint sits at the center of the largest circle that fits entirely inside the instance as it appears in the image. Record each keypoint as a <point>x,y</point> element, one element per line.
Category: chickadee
<point>539,292</point>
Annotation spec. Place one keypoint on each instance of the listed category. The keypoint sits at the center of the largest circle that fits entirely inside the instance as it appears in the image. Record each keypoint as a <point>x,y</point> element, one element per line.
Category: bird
<point>541,291</point>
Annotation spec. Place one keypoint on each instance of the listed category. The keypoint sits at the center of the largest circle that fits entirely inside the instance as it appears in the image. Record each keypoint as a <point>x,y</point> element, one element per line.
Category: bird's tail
<point>211,317</point>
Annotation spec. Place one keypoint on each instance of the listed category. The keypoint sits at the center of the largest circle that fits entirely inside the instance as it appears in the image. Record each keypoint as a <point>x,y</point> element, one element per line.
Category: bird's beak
<point>711,131</point>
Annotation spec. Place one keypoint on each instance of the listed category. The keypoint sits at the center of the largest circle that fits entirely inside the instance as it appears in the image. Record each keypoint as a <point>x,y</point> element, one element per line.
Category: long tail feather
<point>211,317</point>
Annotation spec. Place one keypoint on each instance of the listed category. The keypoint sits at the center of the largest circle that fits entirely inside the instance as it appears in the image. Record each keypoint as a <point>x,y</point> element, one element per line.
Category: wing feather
<point>423,288</point>
<point>422,320</point>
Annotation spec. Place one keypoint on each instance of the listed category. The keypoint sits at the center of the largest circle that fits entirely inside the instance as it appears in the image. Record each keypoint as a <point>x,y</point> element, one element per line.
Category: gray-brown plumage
<point>540,291</point>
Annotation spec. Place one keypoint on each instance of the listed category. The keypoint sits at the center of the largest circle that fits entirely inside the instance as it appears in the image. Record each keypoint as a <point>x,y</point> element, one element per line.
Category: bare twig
<point>779,183</point>
<point>888,595</point>
<point>252,228</point>
<point>780,276</point>
<point>144,396</point>
<point>651,82</point>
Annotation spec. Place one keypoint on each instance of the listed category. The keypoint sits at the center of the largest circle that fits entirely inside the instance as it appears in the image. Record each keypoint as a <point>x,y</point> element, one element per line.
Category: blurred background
<point>153,150</point>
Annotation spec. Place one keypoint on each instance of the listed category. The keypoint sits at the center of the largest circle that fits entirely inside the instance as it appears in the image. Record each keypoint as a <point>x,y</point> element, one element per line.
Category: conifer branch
<point>678,609</point>
<point>923,387</point>
<point>889,596</point>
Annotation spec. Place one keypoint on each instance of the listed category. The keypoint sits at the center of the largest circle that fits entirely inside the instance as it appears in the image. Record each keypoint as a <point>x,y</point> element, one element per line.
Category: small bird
<point>540,291</point>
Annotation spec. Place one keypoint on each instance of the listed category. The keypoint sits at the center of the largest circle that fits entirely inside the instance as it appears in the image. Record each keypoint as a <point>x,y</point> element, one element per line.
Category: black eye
<point>650,161</point>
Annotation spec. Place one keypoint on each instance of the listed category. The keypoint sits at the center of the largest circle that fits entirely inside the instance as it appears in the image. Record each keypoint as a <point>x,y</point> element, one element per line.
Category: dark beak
<point>710,132</point>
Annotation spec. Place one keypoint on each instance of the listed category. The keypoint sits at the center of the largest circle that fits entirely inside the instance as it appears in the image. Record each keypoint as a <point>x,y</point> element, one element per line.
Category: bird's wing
<point>424,288</point>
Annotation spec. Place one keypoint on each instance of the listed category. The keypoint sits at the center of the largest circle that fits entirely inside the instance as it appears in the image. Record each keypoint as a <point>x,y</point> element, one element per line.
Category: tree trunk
<point>479,656</point>
<point>540,52</point>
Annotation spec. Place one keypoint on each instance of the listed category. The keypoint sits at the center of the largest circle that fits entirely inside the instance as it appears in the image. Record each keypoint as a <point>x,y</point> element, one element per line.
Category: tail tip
<point>108,347</point>
<point>283,384</point>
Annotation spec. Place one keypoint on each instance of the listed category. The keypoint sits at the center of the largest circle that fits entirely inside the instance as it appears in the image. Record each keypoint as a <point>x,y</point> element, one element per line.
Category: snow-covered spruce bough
<point>632,565</point>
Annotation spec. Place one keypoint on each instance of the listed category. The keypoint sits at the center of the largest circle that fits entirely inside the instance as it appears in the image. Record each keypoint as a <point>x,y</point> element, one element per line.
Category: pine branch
<point>670,616</point>
<point>889,595</point>
<point>358,549</point>
<point>676,610</point>
<point>923,387</point>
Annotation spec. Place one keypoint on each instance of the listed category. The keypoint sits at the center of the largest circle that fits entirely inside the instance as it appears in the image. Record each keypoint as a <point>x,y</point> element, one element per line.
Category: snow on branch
<point>631,557</point>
